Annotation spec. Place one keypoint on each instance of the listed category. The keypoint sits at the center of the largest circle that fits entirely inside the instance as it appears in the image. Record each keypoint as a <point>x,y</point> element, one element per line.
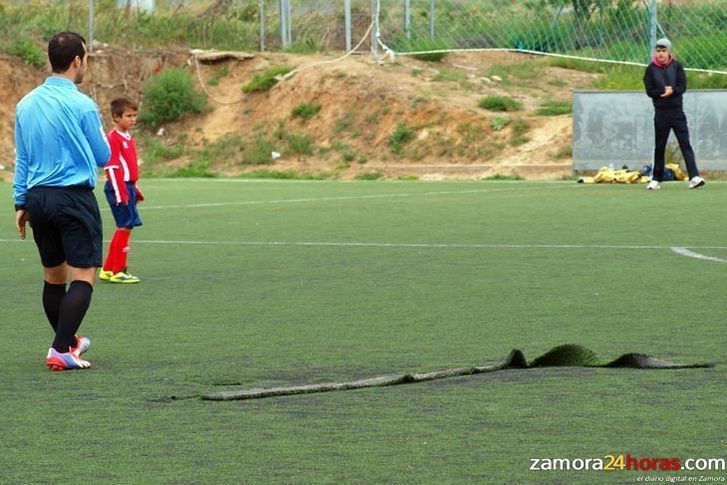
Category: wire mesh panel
<point>321,23</point>
<point>619,30</point>
<point>313,25</point>
<point>698,30</point>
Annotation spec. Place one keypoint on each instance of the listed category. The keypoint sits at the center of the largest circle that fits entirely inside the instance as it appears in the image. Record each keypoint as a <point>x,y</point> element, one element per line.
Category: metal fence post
<point>407,18</point>
<point>375,29</point>
<point>289,20</point>
<point>281,10</point>
<point>431,19</point>
<point>90,25</point>
<point>653,22</point>
<point>347,21</point>
<point>284,23</point>
<point>262,25</point>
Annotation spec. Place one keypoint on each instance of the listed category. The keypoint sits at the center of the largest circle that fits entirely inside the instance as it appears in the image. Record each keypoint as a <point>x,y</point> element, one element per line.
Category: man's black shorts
<point>66,226</point>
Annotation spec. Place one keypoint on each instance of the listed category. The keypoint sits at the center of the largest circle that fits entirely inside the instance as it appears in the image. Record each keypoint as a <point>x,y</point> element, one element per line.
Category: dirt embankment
<point>403,118</point>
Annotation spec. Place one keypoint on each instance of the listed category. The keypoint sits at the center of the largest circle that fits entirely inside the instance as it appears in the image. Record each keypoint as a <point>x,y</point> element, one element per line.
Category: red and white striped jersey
<point>123,165</point>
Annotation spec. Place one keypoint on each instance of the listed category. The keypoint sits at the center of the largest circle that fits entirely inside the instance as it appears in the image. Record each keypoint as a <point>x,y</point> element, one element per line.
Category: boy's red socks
<point>111,256</point>
<point>118,251</point>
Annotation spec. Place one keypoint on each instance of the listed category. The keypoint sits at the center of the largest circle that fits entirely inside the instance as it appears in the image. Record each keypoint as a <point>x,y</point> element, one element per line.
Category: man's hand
<point>668,92</point>
<point>139,195</point>
<point>21,217</point>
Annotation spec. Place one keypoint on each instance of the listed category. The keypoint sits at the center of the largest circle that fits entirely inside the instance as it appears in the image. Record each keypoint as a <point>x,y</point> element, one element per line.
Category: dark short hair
<point>63,48</point>
<point>118,105</point>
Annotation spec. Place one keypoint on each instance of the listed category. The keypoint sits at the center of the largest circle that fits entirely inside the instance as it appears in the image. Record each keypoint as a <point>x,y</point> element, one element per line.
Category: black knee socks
<point>52,299</point>
<point>71,313</point>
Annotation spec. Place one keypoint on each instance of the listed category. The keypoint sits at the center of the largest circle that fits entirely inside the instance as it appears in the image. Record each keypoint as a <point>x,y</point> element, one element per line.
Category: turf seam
<point>568,355</point>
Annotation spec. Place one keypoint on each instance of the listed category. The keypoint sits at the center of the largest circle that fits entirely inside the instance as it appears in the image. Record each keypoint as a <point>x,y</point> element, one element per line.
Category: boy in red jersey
<point>122,173</point>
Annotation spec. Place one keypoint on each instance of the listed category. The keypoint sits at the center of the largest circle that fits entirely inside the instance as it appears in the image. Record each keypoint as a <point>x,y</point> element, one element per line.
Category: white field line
<point>353,244</point>
<point>691,254</point>
<point>399,245</point>
<point>341,182</point>
<point>346,197</point>
<point>677,249</point>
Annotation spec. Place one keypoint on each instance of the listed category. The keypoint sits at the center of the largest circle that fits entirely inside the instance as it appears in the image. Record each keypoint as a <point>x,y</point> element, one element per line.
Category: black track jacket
<point>656,79</point>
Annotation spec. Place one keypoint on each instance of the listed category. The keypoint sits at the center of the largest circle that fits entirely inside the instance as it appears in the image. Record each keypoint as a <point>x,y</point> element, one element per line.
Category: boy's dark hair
<point>118,105</point>
<point>63,48</point>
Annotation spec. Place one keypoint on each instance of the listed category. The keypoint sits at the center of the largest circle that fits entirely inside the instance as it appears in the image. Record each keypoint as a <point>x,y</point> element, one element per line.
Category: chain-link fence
<point>312,25</point>
<point>612,30</point>
<point>616,30</point>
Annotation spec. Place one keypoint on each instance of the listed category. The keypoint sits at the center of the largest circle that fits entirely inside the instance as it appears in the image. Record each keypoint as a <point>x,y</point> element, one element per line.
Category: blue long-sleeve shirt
<point>59,139</point>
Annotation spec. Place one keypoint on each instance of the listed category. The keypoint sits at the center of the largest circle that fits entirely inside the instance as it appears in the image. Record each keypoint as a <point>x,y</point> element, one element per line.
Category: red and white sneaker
<point>82,345</point>
<point>65,360</point>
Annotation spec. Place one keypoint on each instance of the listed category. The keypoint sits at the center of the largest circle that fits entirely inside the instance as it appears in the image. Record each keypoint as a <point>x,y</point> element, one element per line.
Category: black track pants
<point>666,120</point>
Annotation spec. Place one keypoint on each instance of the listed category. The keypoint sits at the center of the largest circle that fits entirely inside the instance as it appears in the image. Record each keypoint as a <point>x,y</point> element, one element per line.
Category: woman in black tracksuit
<point>665,83</point>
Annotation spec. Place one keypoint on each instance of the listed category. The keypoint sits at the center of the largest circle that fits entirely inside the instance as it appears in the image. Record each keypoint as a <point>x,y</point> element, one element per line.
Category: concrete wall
<point>618,127</point>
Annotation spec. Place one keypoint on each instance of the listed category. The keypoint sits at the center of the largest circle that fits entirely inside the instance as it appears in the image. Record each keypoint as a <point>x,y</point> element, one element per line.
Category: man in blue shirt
<point>59,145</point>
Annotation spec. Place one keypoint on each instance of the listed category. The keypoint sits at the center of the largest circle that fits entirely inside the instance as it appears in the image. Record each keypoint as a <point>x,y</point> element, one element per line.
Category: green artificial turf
<point>249,283</point>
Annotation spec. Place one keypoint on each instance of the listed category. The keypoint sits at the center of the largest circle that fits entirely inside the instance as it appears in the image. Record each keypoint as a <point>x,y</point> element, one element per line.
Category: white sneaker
<point>696,182</point>
<point>653,185</point>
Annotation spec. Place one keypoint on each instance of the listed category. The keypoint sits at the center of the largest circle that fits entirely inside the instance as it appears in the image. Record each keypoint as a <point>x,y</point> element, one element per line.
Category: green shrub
<point>369,176</point>
<point>300,144</point>
<point>579,65</point>
<point>308,45</point>
<point>424,45</point>
<point>563,152</point>
<point>228,148</point>
<point>450,75</point>
<point>555,107</point>
<point>518,140</point>
<point>625,78</point>
<point>258,152</point>
<point>499,103</point>
<point>283,174</point>
<point>519,128</point>
<point>154,150</point>
<point>525,70</point>
<point>706,51</point>
<point>701,80</point>
<point>499,176</point>
<point>345,122</point>
<point>265,80</point>
<point>339,145</point>
<point>400,137</point>
<point>498,124</point>
<point>170,95</point>
<point>620,78</point>
<point>218,75</point>
<point>306,111</point>
<point>198,168</point>
<point>225,33</point>
<point>27,50</point>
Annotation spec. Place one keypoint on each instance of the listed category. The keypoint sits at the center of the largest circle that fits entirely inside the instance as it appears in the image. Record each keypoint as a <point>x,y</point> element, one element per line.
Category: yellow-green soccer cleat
<point>105,275</point>
<point>124,278</point>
